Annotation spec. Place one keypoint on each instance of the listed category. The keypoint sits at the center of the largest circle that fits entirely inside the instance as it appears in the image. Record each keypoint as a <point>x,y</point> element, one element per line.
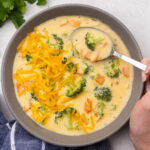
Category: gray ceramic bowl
<point>8,88</point>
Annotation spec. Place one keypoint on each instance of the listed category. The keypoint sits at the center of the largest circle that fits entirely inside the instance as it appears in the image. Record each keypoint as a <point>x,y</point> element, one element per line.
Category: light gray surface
<point>133,13</point>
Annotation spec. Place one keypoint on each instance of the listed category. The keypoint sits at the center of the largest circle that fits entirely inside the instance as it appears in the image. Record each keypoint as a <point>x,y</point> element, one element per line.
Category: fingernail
<point>147,69</point>
<point>143,77</point>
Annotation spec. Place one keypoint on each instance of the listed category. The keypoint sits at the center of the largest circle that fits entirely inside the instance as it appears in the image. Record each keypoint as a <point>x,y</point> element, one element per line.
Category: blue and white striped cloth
<point>14,137</point>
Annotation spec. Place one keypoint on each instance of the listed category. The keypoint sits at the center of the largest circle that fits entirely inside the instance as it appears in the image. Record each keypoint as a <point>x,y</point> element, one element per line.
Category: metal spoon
<point>113,52</point>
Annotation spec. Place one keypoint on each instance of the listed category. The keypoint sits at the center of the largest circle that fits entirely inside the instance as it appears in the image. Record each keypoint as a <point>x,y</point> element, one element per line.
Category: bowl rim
<point>3,75</point>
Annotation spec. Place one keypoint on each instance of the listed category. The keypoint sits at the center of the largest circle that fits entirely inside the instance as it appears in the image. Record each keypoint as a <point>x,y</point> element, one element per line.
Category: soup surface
<point>96,46</point>
<point>63,91</point>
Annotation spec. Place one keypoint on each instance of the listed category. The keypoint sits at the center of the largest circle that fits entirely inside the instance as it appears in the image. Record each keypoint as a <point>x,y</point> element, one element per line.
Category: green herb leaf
<point>70,66</point>
<point>113,107</point>
<point>13,9</point>
<point>31,1</point>
<point>20,6</point>
<point>1,23</point>
<point>8,4</point>
<point>3,13</point>
<point>64,60</point>
<point>41,2</point>
<point>43,122</point>
<point>92,77</point>
<point>28,57</point>
<point>17,18</point>
<point>34,97</point>
<point>101,106</point>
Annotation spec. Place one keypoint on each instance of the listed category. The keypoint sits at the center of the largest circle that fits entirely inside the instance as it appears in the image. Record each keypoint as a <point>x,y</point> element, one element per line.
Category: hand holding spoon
<point>100,52</point>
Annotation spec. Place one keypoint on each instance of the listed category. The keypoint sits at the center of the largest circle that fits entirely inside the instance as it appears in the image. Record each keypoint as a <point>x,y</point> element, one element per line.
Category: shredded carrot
<point>88,106</point>
<point>117,82</point>
<point>98,120</point>
<point>25,109</point>
<point>64,24</point>
<point>75,23</point>
<point>125,71</point>
<point>72,22</point>
<point>100,79</point>
<point>82,53</point>
<point>19,87</point>
<point>79,74</point>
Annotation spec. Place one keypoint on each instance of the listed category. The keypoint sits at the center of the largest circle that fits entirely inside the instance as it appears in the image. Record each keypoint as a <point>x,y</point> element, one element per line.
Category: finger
<point>147,86</point>
<point>143,76</point>
<point>146,74</point>
<point>146,100</point>
<point>147,71</point>
<point>146,61</point>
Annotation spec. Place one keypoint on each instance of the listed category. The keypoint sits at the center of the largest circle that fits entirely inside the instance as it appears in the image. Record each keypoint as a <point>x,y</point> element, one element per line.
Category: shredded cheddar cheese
<point>45,79</point>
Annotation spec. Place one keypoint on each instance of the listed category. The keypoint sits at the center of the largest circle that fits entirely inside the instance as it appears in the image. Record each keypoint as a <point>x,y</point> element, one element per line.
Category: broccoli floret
<point>103,93</point>
<point>28,57</point>
<point>59,42</point>
<point>78,88</point>
<point>83,68</point>
<point>91,41</point>
<point>64,60</point>
<point>68,113</point>
<point>86,69</point>
<point>42,110</point>
<point>58,114</point>
<point>99,109</point>
<point>70,66</point>
<point>112,68</point>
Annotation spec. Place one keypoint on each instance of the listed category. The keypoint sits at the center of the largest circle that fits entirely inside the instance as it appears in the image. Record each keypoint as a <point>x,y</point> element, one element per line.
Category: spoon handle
<point>131,61</point>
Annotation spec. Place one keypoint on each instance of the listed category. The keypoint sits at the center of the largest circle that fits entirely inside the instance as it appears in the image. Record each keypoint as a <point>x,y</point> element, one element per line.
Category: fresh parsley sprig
<point>14,10</point>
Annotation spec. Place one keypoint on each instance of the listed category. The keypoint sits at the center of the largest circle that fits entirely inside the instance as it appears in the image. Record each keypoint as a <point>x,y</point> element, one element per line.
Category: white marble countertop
<point>133,13</point>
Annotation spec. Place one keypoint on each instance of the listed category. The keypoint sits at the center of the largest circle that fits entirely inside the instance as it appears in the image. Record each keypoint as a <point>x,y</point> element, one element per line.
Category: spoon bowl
<point>101,53</point>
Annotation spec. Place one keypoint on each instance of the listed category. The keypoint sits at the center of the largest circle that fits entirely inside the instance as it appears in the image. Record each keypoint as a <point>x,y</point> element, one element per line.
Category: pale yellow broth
<point>120,92</point>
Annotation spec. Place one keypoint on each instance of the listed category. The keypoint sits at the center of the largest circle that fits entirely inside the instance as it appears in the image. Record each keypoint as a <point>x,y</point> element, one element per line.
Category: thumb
<point>140,116</point>
<point>146,74</point>
<point>147,85</point>
<point>145,100</point>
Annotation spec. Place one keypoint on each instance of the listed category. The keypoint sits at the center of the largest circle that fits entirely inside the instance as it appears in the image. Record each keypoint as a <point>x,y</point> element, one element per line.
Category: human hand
<point>140,116</point>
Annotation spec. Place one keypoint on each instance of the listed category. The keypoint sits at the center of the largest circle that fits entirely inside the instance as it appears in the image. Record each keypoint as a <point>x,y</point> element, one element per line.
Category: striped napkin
<point>14,137</point>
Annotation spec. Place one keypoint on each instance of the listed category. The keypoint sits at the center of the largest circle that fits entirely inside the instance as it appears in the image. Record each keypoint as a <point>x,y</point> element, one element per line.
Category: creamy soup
<point>91,43</point>
<point>63,91</point>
